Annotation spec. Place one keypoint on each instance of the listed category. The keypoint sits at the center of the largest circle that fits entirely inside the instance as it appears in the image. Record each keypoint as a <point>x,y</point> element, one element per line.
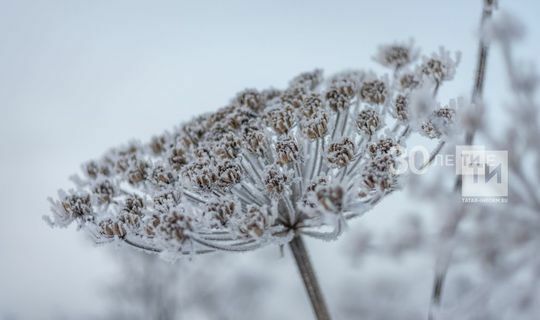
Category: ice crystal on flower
<point>269,165</point>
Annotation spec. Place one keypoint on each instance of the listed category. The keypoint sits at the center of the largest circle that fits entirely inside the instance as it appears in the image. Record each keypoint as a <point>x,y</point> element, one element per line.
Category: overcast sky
<point>79,76</point>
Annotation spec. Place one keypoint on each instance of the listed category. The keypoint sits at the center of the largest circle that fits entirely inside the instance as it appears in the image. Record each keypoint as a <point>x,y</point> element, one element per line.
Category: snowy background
<point>77,77</point>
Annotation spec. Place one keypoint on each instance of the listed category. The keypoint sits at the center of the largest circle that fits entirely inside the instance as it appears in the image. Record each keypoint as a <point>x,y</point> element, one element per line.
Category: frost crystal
<point>270,165</point>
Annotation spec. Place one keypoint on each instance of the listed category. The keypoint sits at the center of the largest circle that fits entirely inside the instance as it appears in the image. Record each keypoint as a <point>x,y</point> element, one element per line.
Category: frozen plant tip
<point>269,167</point>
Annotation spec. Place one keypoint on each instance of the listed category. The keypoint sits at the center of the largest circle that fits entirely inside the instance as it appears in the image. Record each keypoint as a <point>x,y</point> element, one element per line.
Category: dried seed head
<point>77,206</point>
<point>239,117</point>
<point>220,211</point>
<point>339,98</point>
<point>384,146</point>
<point>379,173</point>
<point>275,181</point>
<point>374,92</point>
<point>281,119</point>
<point>447,114</point>
<point>201,174</point>
<point>133,204</point>
<point>131,149</point>
<point>204,152</point>
<point>151,226</point>
<point>167,199</point>
<point>309,80</point>
<point>112,228</point>
<point>228,174</point>
<point>309,198</point>
<point>228,146</point>
<point>104,191</point>
<point>293,97</point>
<point>255,221</point>
<point>351,78</point>
<point>430,130</point>
<point>368,122</point>
<point>315,127</point>
<point>440,66</point>
<point>311,105</point>
<point>93,169</point>
<point>439,123</point>
<point>130,221</point>
<point>138,172</point>
<point>434,68</point>
<point>331,198</point>
<point>341,153</point>
<point>320,181</point>
<point>287,150</point>
<point>175,225</point>
<point>400,108</point>
<point>194,130</point>
<point>161,176</point>
<point>158,144</point>
<point>409,81</point>
<point>254,139</point>
<point>123,162</point>
<point>251,99</point>
<point>396,55</point>
<point>219,118</point>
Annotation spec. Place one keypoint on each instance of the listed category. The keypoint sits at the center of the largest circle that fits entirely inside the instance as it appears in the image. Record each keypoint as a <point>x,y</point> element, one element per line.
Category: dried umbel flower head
<point>104,191</point>
<point>251,99</point>
<point>331,198</point>
<point>312,104</point>
<point>380,173</point>
<point>374,92</point>
<point>275,181</point>
<point>440,66</point>
<point>280,118</point>
<point>397,55</point>
<point>439,123</point>
<point>368,122</point>
<point>409,81</point>
<point>270,165</point>
<point>255,221</point>
<point>340,94</point>
<point>315,126</point>
<point>221,210</point>
<point>401,103</point>
<point>254,139</point>
<point>287,150</point>
<point>341,153</point>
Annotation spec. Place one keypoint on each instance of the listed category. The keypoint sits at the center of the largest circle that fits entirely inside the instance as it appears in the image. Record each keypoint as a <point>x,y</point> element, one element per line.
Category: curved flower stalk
<point>270,166</point>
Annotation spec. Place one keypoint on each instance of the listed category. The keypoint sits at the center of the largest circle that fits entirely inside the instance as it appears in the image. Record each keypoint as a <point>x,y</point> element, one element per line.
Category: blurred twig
<point>476,102</point>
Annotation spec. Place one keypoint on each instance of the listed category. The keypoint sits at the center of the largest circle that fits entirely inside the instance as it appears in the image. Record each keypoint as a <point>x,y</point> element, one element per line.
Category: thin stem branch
<point>477,92</point>
<point>310,280</point>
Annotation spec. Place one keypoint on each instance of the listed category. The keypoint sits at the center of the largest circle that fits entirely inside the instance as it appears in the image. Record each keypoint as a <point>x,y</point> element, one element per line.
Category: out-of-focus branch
<point>476,102</point>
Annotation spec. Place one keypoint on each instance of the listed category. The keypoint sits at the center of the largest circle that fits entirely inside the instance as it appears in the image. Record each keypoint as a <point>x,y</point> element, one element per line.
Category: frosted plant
<point>271,166</point>
<point>501,240</point>
<point>491,250</point>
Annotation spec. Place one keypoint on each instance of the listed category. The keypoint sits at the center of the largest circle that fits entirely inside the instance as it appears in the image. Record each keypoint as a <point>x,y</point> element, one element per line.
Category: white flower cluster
<point>270,165</point>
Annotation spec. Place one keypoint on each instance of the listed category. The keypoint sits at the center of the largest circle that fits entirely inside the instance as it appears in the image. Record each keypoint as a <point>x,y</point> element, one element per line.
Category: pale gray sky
<point>79,76</point>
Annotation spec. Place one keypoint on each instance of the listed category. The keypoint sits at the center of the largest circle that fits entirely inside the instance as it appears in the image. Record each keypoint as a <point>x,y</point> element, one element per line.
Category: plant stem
<point>477,92</point>
<point>310,280</point>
